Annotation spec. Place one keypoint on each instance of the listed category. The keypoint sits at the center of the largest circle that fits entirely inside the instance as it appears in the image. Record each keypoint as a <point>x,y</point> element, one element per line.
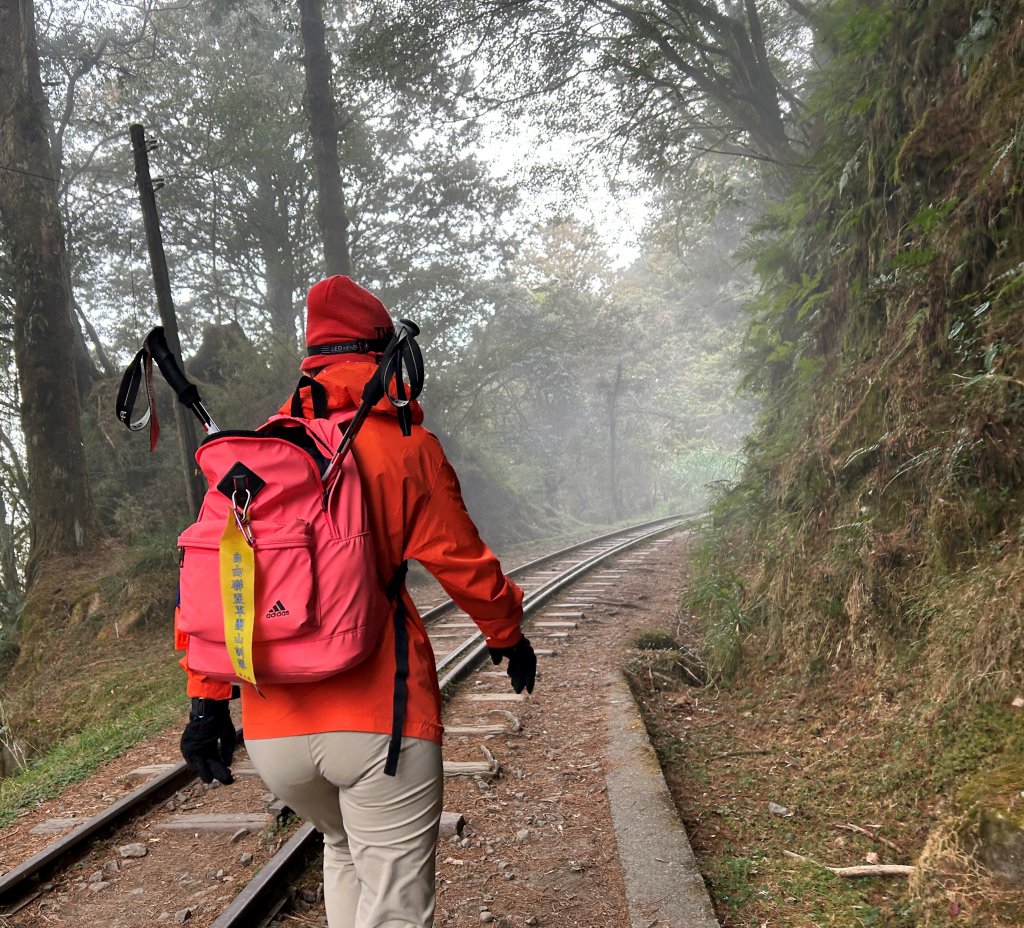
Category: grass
<point>74,759</point>
<point>654,640</point>
<point>96,673</point>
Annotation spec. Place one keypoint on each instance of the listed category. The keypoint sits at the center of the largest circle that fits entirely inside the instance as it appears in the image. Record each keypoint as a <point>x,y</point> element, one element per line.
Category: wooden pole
<point>187,443</point>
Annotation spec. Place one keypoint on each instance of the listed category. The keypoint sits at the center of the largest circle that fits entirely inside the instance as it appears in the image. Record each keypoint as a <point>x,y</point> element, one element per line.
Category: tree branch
<point>801,9</point>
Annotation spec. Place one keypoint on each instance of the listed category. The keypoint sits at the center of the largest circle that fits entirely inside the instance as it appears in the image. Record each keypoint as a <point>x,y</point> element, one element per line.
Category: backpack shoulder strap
<point>394,593</point>
<point>317,395</point>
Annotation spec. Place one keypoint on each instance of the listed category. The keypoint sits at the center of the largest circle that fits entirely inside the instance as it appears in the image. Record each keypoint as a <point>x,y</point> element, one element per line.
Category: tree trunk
<point>613,451</point>
<point>63,518</point>
<point>16,485</point>
<point>9,581</point>
<point>275,246</point>
<point>323,127</point>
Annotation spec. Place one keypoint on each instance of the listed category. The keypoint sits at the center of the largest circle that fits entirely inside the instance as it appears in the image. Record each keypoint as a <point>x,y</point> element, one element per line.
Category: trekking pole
<point>155,348</point>
<point>402,354</point>
<point>187,392</point>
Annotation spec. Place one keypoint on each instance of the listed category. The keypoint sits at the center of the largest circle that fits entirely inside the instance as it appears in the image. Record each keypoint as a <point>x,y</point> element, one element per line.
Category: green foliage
<point>717,597</point>
<point>933,217</point>
<point>731,879</point>
<point>697,471</point>
<point>972,741</point>
<point>880,496</point>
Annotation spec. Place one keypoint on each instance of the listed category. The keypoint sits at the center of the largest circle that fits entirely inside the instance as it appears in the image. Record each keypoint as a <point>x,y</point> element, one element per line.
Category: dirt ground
<point>539,847</point>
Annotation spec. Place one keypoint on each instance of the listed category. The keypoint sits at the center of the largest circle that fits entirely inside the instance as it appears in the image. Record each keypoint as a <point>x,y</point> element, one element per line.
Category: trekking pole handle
<point>406,328</point>
<point>402,352</point>
<point>156,342</point>
<point>187,392</point>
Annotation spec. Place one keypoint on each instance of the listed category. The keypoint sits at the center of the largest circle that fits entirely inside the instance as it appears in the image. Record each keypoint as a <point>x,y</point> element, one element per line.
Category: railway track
<point>459,650</point>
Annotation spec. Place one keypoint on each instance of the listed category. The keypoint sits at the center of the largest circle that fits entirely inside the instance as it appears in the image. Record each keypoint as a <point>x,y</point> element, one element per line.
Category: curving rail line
<point>266,894</point>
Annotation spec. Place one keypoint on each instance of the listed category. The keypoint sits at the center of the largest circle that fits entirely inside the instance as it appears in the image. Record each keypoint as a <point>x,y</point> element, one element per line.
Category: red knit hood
<point>338,310</point>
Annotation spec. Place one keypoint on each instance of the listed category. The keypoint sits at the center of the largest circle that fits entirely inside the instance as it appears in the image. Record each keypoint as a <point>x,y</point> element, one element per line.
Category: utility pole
<point>187,443</point>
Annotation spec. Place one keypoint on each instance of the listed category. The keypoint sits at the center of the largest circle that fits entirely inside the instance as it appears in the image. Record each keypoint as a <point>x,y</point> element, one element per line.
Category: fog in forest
<point>559,210</point>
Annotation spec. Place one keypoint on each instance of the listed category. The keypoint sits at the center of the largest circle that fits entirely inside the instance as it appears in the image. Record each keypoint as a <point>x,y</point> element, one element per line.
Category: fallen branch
<point>856,829</point>
<point>470,730</point>
<point>511,726</point>
<point>863,870</point>
<point>473,768</point>
<point>514,725</point>
<point>698,681</point>
<point>875,870</point>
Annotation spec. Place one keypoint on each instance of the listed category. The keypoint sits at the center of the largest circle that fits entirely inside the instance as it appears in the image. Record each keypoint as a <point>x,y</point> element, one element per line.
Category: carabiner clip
<point>241,515</point>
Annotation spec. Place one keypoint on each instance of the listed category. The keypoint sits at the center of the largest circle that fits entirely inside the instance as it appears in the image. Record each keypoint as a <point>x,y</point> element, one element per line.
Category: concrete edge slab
<point>664,888</point>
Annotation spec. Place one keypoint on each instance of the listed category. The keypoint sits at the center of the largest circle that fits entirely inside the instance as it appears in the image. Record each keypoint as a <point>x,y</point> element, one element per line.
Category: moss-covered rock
<point>1000,844</point>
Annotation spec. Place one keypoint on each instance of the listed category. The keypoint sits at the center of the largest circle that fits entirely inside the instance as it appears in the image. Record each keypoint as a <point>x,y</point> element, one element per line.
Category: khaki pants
<point>379,832</point>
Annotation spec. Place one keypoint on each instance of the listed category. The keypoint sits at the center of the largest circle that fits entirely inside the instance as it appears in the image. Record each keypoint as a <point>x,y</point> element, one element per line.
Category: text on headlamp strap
<point>359,346</point>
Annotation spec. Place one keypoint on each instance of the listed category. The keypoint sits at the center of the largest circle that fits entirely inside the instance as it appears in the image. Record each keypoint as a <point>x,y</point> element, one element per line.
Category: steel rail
<point>262,900</point>
<point>14,884</point>
<point>448,605</point>
<point>465,656</point>
<point>150,793</point>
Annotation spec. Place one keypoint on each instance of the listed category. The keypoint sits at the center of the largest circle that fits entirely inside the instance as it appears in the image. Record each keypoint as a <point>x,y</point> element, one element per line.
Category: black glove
<point>522,664</point>
<point>208,742</point>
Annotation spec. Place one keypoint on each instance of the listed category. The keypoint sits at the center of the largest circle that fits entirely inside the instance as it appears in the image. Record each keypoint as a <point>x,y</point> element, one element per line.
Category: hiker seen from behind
<point>292,589</point>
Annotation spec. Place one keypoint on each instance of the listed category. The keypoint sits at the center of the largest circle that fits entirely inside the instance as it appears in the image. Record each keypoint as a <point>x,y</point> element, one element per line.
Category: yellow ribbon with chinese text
<point>238,595</point>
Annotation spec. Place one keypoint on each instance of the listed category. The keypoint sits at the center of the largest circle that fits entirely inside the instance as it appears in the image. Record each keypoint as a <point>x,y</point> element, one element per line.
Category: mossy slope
<point>878,524</point>
<point>879,518</point>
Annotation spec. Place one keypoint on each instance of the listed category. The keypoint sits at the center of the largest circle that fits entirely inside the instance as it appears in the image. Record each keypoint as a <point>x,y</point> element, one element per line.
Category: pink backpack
<point>308,603</point>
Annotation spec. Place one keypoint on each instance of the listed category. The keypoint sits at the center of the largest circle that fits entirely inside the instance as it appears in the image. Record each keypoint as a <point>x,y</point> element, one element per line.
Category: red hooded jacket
<point>416,512</point>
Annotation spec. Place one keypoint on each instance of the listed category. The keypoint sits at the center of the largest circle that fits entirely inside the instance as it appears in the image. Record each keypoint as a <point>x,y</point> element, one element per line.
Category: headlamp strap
<point>359,346</point>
